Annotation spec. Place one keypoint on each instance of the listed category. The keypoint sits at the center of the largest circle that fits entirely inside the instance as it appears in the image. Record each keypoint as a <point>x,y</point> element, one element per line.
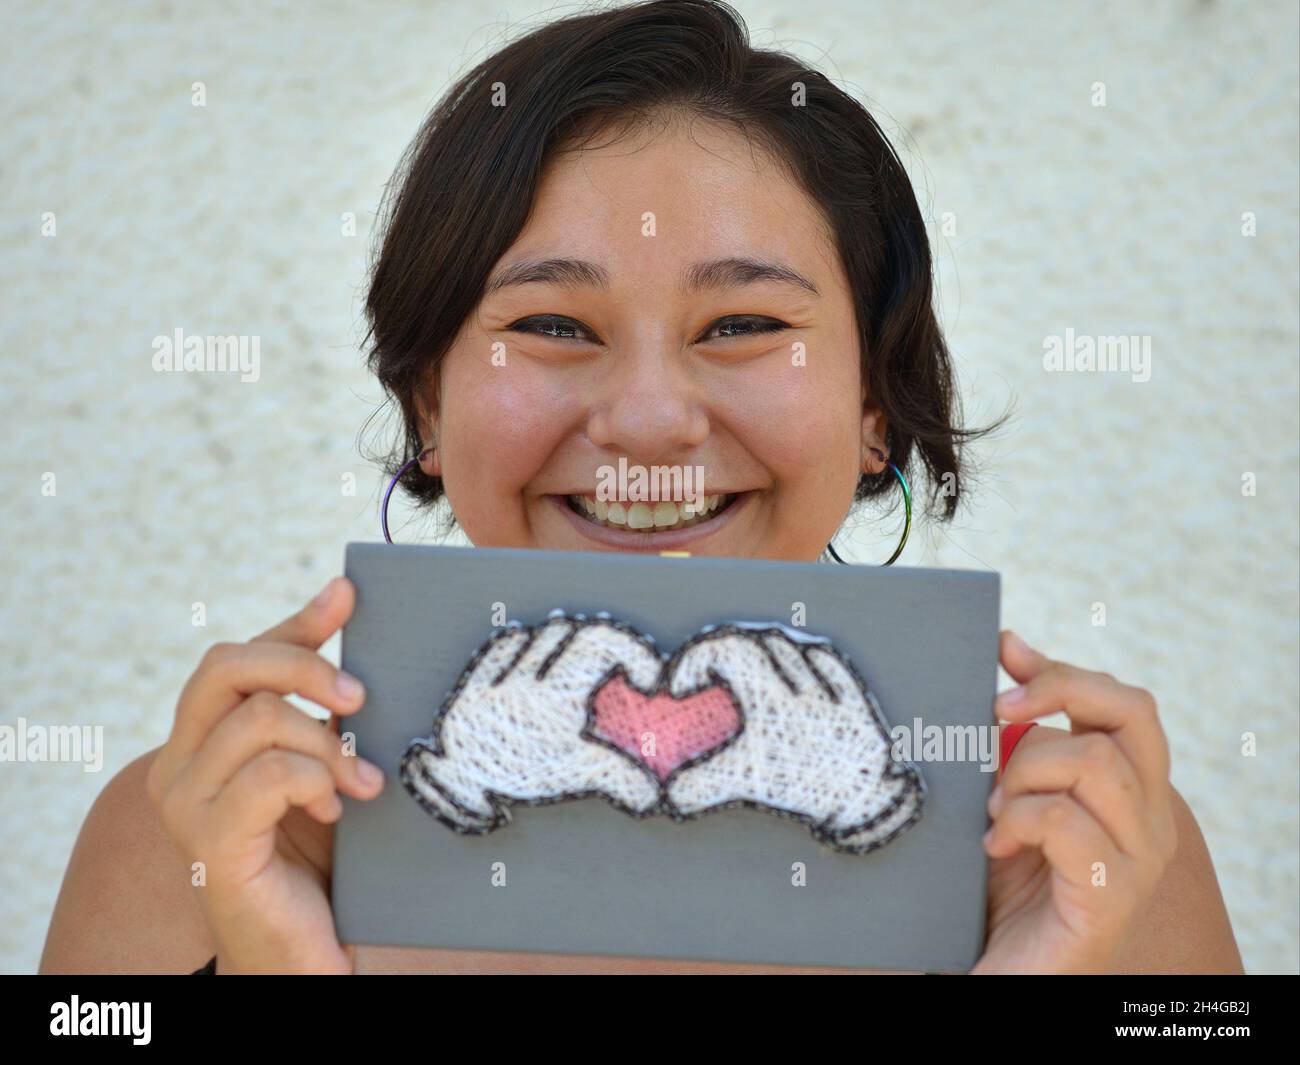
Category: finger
<point>495,658</point>
<point>1069,837</point>
<point>791,662</point>
<point>318,620</point>
<point>308,629</point>
<point>229,673</point>
<point>836,672</point>
<point>264,790</point>
<point>419,774</point>
<point>1021,661</point>
<point>738,658</point>
<point>1093,770</point>
<point>598,647</point>
<point>264,721</point>
<point>548,641</point>
<point>1097,702</point>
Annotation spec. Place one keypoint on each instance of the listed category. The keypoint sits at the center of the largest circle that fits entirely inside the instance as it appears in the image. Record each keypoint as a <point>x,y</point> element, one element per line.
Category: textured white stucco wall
<point>1122,219</point>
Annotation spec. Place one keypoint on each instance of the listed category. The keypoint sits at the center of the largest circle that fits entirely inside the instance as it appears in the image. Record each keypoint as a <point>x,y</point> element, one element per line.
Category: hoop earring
<point>383,510</point>
<point>907,522</point>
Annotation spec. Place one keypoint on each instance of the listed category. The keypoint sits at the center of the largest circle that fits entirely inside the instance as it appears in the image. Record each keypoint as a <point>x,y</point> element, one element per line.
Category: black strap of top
<point>208,970</point>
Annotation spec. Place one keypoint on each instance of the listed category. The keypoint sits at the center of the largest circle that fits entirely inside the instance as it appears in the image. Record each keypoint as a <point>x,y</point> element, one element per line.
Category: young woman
<point>629,235</point>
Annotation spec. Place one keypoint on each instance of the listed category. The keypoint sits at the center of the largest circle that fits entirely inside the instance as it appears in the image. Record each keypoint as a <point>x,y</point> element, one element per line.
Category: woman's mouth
<point>651,518</point>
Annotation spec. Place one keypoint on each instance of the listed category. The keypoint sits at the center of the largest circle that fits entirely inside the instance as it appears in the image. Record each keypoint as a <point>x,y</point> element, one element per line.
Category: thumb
<point>1020,660</point>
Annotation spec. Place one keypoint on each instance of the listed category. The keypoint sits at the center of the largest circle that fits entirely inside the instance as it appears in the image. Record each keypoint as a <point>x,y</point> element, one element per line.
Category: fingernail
<point>1020,645</point>
<point>324,596</point>
<point>989,834</point>
<point>1012,697</point>
<point>369,773</point>
<point>995,800</point>
<point>348,686</point>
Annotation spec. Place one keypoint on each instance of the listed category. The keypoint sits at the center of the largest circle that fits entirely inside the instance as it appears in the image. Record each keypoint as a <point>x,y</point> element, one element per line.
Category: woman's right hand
<point>247,785</point>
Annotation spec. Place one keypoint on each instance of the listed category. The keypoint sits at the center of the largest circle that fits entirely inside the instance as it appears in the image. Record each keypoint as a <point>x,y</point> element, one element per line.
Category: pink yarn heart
<point>661,731</point>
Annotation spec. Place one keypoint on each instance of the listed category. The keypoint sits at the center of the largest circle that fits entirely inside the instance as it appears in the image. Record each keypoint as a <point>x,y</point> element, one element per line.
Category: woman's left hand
<point>1083,827</point>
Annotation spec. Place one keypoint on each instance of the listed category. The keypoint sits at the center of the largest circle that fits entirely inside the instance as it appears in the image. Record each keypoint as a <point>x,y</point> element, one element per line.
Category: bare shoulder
<point>1185,928</point>
<point>126,905</point>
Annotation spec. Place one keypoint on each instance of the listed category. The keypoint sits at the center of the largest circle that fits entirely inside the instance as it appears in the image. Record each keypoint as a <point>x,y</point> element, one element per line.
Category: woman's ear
<point>430,460</point>
<point>875,454</point>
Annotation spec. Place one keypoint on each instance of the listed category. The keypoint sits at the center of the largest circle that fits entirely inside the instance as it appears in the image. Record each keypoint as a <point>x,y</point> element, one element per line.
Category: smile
<point>650,518</point>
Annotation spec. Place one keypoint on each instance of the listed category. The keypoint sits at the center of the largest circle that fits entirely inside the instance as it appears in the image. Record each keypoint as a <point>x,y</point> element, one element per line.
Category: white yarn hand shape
<point>514,730</point>
<point>815,744</point>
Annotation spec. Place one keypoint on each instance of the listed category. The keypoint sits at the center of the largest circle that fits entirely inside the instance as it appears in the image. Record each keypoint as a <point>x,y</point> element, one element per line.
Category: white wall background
<point>1123,219</point>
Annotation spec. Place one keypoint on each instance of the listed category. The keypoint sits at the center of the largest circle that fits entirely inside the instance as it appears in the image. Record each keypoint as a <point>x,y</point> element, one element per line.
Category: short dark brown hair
<point>465,186</point>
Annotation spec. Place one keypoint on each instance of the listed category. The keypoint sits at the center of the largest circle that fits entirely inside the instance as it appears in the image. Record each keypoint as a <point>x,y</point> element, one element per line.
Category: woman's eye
<point>743,326</point>
<point>562,328</point>
<point>553,325</point>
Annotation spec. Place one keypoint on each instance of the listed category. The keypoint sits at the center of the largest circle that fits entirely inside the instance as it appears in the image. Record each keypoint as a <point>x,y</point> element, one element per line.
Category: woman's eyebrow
<point>574,273</point>
<point>734,272</point>
<point>714,274</point>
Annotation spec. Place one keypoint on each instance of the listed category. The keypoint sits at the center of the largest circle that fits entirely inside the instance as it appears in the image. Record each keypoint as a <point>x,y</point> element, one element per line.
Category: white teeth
<point>639,516</point>
<point>665,514</point>
<point>644,517</point>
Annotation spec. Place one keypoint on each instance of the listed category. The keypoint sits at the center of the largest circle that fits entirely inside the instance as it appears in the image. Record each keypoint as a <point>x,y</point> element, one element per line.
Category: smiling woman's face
<point>607,334</point>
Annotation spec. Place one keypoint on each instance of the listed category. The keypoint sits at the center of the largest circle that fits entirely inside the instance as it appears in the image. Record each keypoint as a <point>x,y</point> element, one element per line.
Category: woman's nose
<point>649,408</point>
